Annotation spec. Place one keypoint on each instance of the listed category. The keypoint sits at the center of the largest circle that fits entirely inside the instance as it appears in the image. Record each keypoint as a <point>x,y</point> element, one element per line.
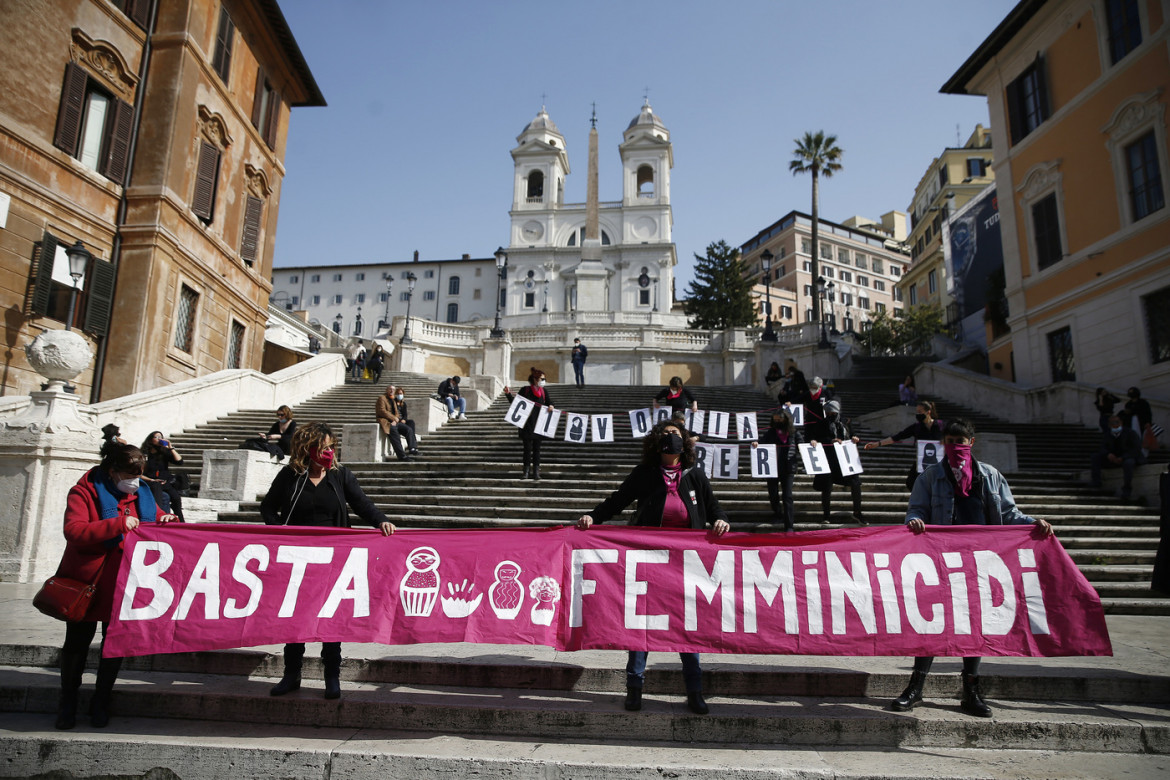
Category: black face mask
<point>920,417</point>
<point>778,424</point>
<point>671,444</point>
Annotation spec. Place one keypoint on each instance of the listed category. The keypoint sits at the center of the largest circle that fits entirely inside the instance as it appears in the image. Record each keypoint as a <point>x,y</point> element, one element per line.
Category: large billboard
<point>974,250</point>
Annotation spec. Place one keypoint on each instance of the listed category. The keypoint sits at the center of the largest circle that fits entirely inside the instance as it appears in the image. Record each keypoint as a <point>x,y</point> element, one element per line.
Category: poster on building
<point>974,251</point>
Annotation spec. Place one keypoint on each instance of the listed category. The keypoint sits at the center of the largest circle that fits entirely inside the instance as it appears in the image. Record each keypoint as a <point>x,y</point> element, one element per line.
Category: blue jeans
<point>636,670</point>
<point>454,403</point>
<point>579,372</point>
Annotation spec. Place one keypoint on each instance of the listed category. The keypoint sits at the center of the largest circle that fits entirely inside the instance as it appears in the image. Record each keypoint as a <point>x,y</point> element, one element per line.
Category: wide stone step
<point>558,714</point>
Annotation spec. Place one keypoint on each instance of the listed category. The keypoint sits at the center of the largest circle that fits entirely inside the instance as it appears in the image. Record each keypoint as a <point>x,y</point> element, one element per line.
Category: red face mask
<point>323,458</point>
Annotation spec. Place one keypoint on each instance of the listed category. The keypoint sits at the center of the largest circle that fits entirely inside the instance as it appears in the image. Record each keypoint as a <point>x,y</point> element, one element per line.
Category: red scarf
<point>959,459</point>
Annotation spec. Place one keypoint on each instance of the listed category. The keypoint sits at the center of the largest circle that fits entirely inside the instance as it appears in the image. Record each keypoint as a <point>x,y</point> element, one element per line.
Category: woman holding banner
<point>537,394</point>
<point>786,438</point>
<point>960,491</point>
<point>107,503</point>
<point>678,397</point>
<point>926,427</point>
<point>313,489</point>
<point>671,494</point>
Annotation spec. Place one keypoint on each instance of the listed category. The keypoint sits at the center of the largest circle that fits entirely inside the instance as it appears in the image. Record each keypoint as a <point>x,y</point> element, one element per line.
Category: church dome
<point>646,117</point>
<point>541,123</point>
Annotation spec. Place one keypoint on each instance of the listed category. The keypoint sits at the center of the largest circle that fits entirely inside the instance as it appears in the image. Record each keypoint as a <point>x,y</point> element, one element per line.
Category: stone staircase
<point>431,711</point>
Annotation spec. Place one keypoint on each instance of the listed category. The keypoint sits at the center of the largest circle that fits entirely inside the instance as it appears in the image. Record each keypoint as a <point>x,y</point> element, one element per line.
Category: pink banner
<point>952,591</point>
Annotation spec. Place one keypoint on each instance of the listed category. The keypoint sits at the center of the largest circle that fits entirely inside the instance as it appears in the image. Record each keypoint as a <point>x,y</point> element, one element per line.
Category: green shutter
<point>101,297</point>
<point>43,283</point>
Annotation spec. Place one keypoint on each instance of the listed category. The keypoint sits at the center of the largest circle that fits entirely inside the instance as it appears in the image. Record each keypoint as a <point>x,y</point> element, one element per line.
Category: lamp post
<point>829,288</point>
<point>410,280</point>
<point>389,291</point>
<point>824,342</point>
<point>78,258</point>
<point>501,273</point>
<point>766,263</point>
<point>337,325</point>
<point>357,323</point>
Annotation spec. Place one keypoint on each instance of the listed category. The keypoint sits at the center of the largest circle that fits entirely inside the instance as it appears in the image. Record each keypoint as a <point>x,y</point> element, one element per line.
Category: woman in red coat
<point>105,504</point>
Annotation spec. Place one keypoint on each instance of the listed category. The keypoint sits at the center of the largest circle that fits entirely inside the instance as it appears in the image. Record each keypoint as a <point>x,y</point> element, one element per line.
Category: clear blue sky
<point>427,98</point>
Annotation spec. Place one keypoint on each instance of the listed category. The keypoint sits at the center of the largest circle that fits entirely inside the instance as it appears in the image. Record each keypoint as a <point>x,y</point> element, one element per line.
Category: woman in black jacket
<point>159,456</point>
<point>834,431</point>
<point>314,490</point>
<point>786,438</point>
<point>537,394</point>
<point>927,427</point>
<point>671,494</point>
<point>278,441</point>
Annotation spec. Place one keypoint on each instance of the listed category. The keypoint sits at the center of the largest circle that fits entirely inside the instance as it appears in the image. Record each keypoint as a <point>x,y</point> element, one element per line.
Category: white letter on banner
<point>661,413</point>
<point>636,587</point>
<point>917,565</point>
<point>696,577</point>
<point>546,424</point>
<point>996,621</point>
<point>814,459</point>
<point>576,427</point>
<point>1033,596</point>
<point>300,558</point>
<point>727,466</point>
<point>763,460</point>
<point>856,587</point>
<point>355,573</point>
<point>602,427</point>
<point>148,577</point>
<point>797,412</point>
<point>244,576</point>
<point>705,458</point>
<point>745,426</point>
<point>928,454</point>
<point>204,580</point>
<point>890,608</point>
<point>847,458</point>
<point>641,421</point>
<point>717,423</point>
<point>518,412</point>
<point>960,606</point>
<point>779,578</point>
<point>812,592</point>
<point>581,586</point>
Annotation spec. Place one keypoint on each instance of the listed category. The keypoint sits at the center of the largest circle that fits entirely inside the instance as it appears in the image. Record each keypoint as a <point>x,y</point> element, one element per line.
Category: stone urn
<point>59,356</point>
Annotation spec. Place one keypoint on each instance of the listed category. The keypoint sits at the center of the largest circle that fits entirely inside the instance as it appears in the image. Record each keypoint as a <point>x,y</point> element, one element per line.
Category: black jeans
<point>397,431</point>
<point>774,490</point>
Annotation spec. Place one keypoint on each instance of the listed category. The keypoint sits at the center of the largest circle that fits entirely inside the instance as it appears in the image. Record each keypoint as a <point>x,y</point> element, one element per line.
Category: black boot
<point>910,697</point>
<point>696,703</point>
<point>633,699</point>
<point>527,460</point>
<point>99,706</point>
<point>331,660</point>
<point>293,655</point>
<point>536,472</point>
<point>973,703</point>
<point>72,667</point>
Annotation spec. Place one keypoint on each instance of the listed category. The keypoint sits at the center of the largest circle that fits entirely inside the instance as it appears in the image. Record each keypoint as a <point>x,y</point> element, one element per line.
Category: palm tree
<point>818,154</point>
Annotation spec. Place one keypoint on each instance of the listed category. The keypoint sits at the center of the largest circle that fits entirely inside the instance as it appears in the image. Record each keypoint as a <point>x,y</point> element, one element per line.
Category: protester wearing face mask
<point>833,430</point>
<point>676,396</point>
<point>960,491</point>
<point>786,437</point>
<point>313,489</point>
<point>1121,447</point>
<point>671,494</point>
<point>390,411</point>
<point>278,440</point>
<point>925,428</point>
<point>537,393</point>
<point>108,502</point>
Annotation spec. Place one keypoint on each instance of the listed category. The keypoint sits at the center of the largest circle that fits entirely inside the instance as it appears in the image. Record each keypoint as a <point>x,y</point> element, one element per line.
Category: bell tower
<point>541,165</point>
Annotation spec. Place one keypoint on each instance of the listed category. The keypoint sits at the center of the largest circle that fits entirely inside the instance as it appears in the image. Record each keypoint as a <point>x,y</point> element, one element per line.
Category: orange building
<point>153,133</point>
<point>1077,93</point>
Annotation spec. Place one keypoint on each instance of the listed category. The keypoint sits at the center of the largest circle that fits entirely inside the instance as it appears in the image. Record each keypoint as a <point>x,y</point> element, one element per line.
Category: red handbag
<point>67,599</point>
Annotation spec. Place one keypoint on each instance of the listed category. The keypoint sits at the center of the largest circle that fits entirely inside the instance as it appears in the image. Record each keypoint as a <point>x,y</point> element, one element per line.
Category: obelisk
<point>591,273</point>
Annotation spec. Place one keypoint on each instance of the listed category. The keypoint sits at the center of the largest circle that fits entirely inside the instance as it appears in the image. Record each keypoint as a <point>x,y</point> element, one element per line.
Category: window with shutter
<point>221,61</point>
<point>101,297</point>
<point>43,284</point>
<point>250,241</point>
<point>1027,101</point>
<point>206,174</point>
<point>51,293</point>
<point>93,126</point>
<point>72,106</point>
<point>265,109</point>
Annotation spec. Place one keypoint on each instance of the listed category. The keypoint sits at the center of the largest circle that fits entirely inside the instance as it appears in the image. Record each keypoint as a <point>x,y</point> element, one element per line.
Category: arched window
<point>645,181</point>
<point>453,285</point>
<point>581,233</point>
<point>452,312</point>
<point>535,186</point>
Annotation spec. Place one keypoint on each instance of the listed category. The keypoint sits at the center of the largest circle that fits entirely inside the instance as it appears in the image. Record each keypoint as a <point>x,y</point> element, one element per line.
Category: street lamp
<point>766,263</point>
<point>337,324</point>
<point>832,312</point>
<point>824,343</point>
<point>389,291</point>
<point>78,258</point>
<point>357,323</point>
<point>545,308</point>
<point>501,274</point>
<point>410,280</point>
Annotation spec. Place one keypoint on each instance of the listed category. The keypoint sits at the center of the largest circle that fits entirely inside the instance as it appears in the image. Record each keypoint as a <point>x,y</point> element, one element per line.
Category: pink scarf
<point>959,459</point>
